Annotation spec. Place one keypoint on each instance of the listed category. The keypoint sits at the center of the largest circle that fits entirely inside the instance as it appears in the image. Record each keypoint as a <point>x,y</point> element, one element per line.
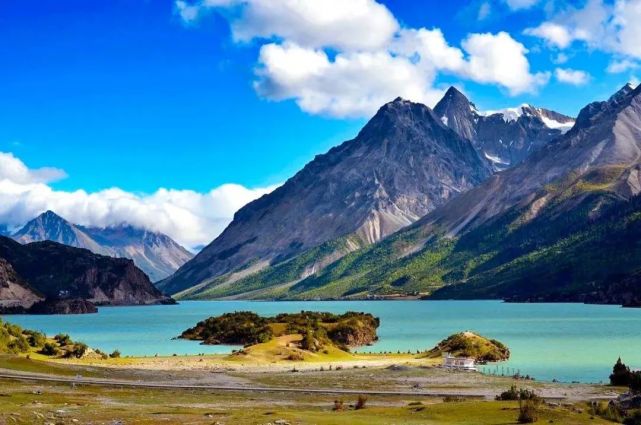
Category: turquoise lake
<point>567,342</point>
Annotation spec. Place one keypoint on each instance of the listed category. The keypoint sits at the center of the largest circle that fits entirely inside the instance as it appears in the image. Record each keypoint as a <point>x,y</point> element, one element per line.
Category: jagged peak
<point>622,93</point>
<point>453,98</point>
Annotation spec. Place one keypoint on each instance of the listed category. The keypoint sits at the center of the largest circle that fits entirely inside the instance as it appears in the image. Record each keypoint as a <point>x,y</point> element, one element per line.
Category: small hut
<point>458,363</point>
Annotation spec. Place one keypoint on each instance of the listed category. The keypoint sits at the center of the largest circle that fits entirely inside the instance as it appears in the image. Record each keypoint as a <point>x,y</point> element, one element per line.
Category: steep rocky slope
<point>155,253</point>
<point>14,291</point>
<point>60,271</point>
<point>505,137</point>
<point>563,225</point>
<point>403,164</point>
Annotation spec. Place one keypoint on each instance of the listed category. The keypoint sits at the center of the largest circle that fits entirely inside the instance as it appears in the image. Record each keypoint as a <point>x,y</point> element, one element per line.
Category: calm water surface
<point>568,342</point>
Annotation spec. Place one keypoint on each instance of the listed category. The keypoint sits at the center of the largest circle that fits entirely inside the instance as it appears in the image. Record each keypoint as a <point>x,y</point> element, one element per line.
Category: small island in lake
<point>290,335</point>
<point>469,344</point>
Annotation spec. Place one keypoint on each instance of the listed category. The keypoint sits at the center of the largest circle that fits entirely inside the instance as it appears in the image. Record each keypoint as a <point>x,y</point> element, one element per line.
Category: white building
<point>459,363</point>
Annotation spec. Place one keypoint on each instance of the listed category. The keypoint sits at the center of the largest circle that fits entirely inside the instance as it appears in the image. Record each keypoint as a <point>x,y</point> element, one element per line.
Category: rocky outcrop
<point>155,253</point>
<point>403,164</point>
<point>63,306</point>
<point>15,293</point>
<point>58,271</point>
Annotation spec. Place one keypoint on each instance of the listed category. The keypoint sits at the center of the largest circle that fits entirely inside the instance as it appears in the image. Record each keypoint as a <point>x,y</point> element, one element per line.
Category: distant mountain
<point>54,271</point>
<point>564,225</point>
<point>403,164</point>
<point>504,137</point>
<point>155,253</point>
<point>4,230</point>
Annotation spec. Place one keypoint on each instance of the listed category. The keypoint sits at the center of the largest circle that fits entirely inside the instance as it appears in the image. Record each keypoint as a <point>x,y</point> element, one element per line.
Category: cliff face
<point>15,293</point>
<point>62,272</point>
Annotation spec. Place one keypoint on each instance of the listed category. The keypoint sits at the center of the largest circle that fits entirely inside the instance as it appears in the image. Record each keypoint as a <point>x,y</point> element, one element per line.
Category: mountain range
<point>407,162</point>
<point>564,225</point>
<point>57,274</point>
<point>155,253</point>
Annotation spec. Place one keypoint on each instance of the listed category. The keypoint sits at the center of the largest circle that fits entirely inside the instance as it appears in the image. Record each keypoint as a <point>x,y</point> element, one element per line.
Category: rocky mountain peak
<point>621,94</point>
<point>453,99</point>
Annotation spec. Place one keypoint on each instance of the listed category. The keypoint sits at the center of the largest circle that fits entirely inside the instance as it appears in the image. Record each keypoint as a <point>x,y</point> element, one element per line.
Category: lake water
<point>567,342</point>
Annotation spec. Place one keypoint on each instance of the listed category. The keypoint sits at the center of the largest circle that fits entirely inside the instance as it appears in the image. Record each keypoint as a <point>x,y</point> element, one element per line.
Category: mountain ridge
<point>155,253</point>
<point>402,164</point>
<point>561,226</point>
<point>53,271</point>
<point>265,278</point>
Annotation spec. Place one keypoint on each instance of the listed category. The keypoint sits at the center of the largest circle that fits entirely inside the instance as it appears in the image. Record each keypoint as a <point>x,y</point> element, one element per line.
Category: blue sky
<point>185,95</point>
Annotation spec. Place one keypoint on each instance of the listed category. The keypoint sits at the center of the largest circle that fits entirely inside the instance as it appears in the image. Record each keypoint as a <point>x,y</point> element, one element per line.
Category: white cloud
<point>189,217</point>
<point>499,59</point>
<point>347,58</point>
<point>484,11</point>
<point>352,84</point>
<point>627,21</point>
<point>358,83</point>
<point>521,4</point>
<point>600,25</point>
<point>353,24</point>
<point>11,168</point>
<point>555,34</point>
<point>572,76</point>
<point>617,67</point>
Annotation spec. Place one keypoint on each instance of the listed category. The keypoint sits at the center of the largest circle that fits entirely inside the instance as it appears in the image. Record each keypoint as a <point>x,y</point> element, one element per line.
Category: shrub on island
<point>317,329</point>
<point>469,344</point>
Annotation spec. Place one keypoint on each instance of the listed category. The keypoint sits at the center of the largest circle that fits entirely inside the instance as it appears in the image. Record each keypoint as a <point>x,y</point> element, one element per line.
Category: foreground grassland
<point>25,403</point>
<point>422,401</point>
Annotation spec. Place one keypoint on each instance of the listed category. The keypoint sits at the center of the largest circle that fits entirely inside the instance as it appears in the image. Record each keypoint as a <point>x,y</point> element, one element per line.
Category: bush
<point>13,330</point>
<point>360,402</point>
<point>634,419</point>
<point>528,411</point>
<point>18,345</point>
<point>620,376</point>
<point>50,349</point>
<point>77,350</point>
<point>606,411</point>
<point>511,394</point>
<point>635,382</point>
<point>63,340</point>
<point>115,354</point>
<point>36,339</point>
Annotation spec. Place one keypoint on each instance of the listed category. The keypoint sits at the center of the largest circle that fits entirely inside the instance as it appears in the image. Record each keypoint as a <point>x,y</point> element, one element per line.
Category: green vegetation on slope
<point>288,271</point>
<point>468,344</point>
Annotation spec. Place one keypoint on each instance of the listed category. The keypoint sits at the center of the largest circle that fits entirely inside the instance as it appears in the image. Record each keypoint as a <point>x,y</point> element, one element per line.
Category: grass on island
<point>469,344</point>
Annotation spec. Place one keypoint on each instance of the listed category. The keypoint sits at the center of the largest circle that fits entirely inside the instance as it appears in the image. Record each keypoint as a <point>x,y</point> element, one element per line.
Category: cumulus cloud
<point>353,24</point>
<point>499,59</point>
<point>11,168</point>
<point>356,83</point>
<point>600,25</point>
<point>352,84</point>
<point>617,67</point>
<point>555,34</point>
<point>191,218</point>
<point>346,58</point>
<point>572,76</point>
